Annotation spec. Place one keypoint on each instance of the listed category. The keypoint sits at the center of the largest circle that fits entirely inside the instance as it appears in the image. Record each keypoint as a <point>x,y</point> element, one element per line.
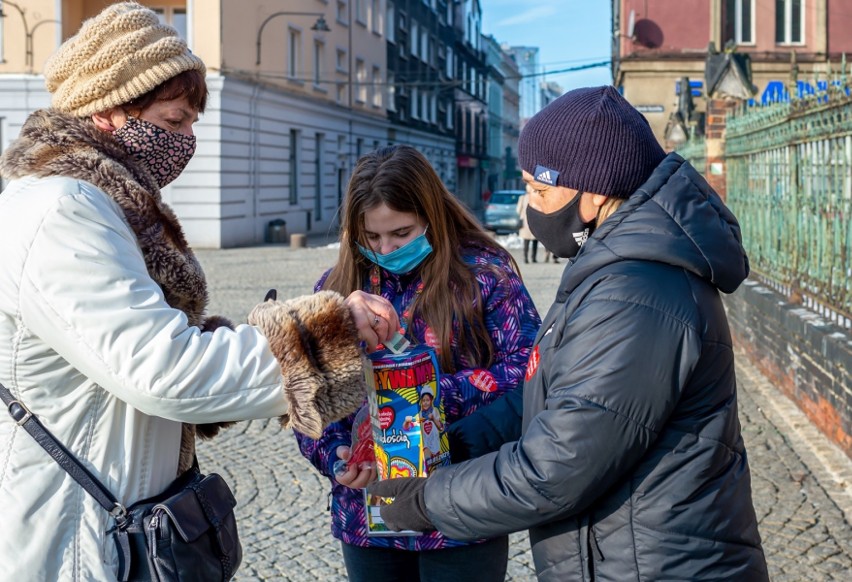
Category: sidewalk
<point>800,481</point>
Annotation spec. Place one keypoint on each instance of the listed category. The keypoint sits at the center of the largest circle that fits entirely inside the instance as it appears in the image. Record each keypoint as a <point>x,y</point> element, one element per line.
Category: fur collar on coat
<point>55,144</point>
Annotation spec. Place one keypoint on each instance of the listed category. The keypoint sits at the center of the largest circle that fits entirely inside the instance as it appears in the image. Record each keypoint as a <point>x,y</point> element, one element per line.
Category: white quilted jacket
<point>90,346</point>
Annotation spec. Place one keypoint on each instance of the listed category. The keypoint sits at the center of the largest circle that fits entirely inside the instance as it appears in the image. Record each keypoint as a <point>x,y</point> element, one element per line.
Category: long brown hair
<point>402,178</point>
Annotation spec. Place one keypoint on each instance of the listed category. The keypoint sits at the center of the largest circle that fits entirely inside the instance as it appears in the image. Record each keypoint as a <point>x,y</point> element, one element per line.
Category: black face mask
<point>562,232</point>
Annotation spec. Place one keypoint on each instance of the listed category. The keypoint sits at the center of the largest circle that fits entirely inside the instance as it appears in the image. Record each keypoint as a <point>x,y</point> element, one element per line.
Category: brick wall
<point>805,356</point>
<point>714,131</point>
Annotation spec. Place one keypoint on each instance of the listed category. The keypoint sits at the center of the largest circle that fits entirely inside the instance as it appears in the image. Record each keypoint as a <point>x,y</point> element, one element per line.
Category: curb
<point>829,464</point>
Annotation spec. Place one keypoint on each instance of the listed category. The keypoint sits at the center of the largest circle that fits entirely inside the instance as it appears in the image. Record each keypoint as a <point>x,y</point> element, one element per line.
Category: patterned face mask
<point>165,153</point>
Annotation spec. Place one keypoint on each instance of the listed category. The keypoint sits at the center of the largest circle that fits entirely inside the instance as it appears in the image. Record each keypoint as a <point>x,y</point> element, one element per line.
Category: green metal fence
<point>789,183</point>
<point>695,150</point>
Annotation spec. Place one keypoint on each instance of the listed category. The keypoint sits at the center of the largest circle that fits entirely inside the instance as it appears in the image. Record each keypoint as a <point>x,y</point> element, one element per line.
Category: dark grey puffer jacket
<point>631,465</point>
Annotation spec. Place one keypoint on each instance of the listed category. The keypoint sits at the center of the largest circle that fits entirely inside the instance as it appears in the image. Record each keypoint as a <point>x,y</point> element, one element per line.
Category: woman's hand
<point>354,477</point>
<point>374,316</point>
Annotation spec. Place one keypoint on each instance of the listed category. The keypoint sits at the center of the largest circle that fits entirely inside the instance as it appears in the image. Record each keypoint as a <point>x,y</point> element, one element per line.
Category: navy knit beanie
<point>590,139</point>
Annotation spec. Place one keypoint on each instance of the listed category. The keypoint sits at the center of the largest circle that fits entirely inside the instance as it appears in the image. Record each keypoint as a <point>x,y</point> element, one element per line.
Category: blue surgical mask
<point>403,259</point>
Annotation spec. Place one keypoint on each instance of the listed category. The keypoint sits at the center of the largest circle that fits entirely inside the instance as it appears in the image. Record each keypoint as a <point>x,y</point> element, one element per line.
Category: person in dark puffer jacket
<point>630,464</point>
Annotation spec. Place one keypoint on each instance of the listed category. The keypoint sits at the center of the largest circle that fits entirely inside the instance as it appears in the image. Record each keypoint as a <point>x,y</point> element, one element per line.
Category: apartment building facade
<point>299,90</point>
<point>503,120</point>
<point>656,42</point>
<point>420,72</point>
<point>526,59</point>
<point>291,105</point>
<point>471,110</point>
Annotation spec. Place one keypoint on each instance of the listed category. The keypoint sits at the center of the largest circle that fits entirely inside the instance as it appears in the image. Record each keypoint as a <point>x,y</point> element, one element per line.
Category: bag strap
<point>66,459</point>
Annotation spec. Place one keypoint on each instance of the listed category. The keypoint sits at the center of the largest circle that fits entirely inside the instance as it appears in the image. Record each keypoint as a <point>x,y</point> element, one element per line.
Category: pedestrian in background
<point>548,255</point>
<point>526,234</point>
<point>408,240</point>
<point>103,332</point>
<point>524,231</point>
<point>631,465</point>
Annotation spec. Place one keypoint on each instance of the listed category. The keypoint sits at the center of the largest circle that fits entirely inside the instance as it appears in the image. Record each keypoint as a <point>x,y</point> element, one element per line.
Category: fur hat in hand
<point>115,57</point>
<point>590,139</point>
<point>316,343</point>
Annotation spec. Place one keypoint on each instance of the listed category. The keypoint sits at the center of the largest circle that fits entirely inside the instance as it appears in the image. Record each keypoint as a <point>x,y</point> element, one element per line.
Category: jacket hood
<point>676,218</point>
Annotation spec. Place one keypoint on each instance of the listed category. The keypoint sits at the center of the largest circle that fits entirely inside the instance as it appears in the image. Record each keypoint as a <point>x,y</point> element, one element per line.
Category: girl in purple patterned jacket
<point>407,239</point>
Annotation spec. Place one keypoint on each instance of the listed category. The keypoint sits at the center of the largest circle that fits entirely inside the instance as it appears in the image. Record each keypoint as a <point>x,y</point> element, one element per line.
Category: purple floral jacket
<point>512,321</point>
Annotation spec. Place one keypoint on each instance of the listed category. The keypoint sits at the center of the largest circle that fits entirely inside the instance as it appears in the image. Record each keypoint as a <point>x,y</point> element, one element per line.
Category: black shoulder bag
<point>186,533</point>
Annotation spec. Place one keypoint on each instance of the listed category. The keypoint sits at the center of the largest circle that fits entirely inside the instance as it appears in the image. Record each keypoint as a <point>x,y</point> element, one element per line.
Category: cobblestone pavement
<point>802,484</point>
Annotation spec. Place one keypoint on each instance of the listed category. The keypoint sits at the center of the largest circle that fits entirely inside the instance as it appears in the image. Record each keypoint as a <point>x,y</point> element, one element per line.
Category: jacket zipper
<point>595,552</point>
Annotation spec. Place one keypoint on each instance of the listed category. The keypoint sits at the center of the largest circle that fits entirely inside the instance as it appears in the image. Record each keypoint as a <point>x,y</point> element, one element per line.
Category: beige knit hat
<point>116,56</point>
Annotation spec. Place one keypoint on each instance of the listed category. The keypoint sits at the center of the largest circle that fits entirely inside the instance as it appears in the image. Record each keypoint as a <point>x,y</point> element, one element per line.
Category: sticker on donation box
<point>407,412</point>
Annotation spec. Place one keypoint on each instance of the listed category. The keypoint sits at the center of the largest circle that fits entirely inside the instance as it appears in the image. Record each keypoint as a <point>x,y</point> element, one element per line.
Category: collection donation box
<point>406,415</point>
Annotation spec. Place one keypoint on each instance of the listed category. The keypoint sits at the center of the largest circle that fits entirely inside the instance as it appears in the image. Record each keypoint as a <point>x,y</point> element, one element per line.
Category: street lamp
<point>28,32</point>
<point>319,25</point>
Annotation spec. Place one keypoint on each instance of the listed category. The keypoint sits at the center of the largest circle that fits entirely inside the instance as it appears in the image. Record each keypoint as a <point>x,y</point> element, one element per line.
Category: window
<point>415,103</point>
<point>319,52</point>
<point>377,87</point>
<point>390,24</point>
<point>342,12</point>
<point>175,17</point>
<point>738,25</point>
<point>361,77</point>
<point>294,58</point>
<point>360,9</point>
<point>319,140</point>
<point>340,61</point>
<point>464,127</point>
<point>391,91</point>
<point>341,92</point>
<point>450,57</point>
<point>415,39</point>
<point>376,17</point>
<point>294,166</point>
<point>424,44</point>
<point>789,21</point>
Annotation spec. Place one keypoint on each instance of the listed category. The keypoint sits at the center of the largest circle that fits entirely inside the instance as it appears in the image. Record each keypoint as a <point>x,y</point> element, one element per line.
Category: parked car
<point>501,211</point>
